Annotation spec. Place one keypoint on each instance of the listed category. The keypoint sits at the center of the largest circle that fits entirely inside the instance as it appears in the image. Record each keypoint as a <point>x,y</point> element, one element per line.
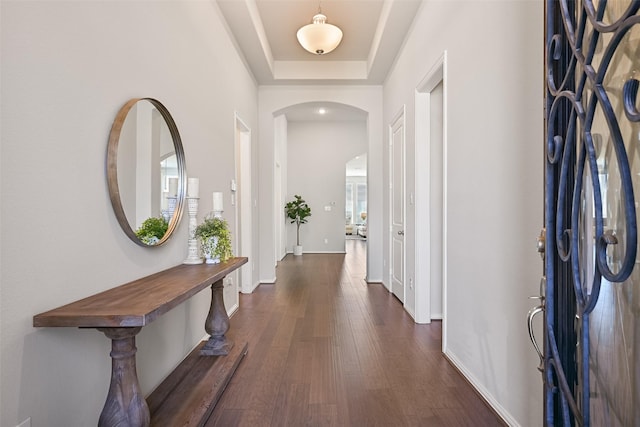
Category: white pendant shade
<point>319,37</point>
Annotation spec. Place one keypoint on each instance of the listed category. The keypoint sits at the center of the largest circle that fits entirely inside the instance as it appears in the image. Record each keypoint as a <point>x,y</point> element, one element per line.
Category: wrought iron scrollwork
<point>575,88</point>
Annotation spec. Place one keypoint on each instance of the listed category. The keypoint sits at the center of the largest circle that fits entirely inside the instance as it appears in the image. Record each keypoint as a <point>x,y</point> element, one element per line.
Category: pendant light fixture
<point>319,38</point>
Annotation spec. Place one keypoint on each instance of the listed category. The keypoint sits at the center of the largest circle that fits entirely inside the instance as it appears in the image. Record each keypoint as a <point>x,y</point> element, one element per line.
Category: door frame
<point>400,115</point>
<point>243,202</point>
<point>436,75</point>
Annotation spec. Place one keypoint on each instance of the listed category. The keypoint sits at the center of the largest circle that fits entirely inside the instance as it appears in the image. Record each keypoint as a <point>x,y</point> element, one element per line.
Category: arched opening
<point>314,142</point>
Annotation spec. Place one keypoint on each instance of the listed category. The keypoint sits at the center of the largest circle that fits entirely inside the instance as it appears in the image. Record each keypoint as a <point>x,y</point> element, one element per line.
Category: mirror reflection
<point>146,171</point>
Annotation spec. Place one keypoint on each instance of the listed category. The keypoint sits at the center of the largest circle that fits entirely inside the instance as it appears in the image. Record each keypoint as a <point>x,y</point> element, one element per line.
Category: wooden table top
<point>140,302</point>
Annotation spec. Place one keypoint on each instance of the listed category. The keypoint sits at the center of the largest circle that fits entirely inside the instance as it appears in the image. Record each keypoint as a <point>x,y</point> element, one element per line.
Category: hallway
<point>328,349</point>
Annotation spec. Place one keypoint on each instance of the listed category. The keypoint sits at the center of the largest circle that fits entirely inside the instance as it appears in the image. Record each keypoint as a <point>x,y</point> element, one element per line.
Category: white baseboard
<point>232,310</point>
<point>268,281</point>
<point>499,409</point>
<point>381,282</point>
<point>320,252</point>
<point>411,313</point>
<point>251,289</point>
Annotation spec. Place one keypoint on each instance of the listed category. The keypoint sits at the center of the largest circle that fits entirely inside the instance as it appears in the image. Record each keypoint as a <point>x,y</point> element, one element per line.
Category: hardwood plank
<point>291,405</point>
<point>324,415</point>
<point>189,394</point>
<point>328,349</point>
<point>140,302</point>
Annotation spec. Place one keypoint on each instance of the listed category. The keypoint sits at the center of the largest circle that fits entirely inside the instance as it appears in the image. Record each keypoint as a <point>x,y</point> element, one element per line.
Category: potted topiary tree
<point>297,211</point>
<point>215,237</point>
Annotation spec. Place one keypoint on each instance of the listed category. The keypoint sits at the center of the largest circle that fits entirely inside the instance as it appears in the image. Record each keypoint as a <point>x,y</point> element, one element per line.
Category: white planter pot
<point>297,250</point>
<point>209,249</point>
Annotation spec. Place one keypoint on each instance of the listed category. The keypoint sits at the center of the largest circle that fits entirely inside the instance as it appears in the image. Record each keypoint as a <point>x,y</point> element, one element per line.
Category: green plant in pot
<point>152,230</point>
<point>215,237</point>
<point>297,211</point>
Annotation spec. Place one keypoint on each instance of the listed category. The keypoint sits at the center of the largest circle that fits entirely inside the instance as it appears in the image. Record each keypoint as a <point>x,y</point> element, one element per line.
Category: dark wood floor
<point>328,349</point>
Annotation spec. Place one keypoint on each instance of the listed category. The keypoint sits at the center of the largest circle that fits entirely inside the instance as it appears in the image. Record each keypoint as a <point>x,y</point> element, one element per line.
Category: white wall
<point>494,185</point>
<point>273,99</point>
<point>280,183</point>
<point>67,67</point>
<point>317,157</point>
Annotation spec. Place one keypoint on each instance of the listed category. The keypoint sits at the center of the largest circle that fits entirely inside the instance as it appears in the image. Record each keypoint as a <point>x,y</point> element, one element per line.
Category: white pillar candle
<point>217,201</point>
<point>193,187</point>
<point>173,187</point>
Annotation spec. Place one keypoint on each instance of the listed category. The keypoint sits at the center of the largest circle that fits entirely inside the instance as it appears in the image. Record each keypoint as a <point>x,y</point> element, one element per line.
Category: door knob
<point>401,233</point>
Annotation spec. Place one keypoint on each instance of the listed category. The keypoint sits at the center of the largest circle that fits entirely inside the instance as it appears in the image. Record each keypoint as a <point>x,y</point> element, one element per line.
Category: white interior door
<point>397,207</point>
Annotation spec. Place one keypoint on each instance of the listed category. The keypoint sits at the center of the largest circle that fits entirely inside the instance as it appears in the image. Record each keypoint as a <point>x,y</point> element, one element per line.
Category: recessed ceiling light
<point>322,111</point>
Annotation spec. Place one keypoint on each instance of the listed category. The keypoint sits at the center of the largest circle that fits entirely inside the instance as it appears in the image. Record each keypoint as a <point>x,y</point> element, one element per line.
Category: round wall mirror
<point>146,171</point>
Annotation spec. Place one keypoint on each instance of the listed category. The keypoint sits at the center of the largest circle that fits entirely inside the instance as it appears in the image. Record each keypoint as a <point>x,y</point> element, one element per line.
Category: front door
<point>397,206</point>
<point>591,292</point>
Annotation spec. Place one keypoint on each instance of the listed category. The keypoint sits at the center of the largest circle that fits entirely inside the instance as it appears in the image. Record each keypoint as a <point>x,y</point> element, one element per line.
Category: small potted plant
<point>152,230</point>
<point>297,211</point>
<point>215,237</point>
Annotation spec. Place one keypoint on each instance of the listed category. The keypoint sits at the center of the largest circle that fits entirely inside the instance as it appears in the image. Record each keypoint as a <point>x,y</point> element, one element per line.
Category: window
<point>349,203</point>
<point>355,207</point>
<point>361,203</point>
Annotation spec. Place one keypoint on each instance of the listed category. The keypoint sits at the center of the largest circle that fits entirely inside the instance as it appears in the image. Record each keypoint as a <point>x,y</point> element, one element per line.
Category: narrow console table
<point>120,313</point>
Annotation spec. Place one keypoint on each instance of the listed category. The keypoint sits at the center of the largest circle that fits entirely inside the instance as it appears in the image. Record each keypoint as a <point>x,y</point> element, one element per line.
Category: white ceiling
<point>265,32</point>
<point>357,166</point>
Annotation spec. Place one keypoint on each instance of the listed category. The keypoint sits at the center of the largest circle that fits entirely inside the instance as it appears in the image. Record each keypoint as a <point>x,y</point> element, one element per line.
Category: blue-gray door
<point>591,295</point>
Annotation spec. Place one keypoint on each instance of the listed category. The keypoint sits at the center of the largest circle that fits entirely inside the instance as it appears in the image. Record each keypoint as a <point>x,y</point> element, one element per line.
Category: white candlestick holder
<point>171,206</point>
<point>193,252</point>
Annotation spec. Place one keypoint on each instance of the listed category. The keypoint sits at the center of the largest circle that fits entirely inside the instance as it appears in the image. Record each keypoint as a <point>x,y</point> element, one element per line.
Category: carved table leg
<point>125,405</point>
<point>217,324</point>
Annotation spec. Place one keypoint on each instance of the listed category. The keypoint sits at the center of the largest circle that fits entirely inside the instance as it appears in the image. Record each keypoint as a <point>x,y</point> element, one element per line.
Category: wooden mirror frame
<point>112,170</point>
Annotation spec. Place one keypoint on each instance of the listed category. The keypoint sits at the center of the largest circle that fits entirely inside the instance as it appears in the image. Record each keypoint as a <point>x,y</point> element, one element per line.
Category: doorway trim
<point>436,75</point>
<point>243,201</point>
